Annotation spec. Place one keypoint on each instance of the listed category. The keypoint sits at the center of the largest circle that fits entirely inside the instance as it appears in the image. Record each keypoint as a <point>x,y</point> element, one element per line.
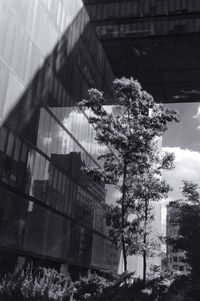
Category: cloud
<point>188,95</point>
<point>77,123</point>
<point>187,167</point>
<point>197,116</point>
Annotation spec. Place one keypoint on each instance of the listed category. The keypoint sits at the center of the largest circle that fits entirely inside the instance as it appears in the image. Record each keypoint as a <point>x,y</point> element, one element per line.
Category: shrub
<point>91,287</point>
<point>41,285</point>
<point>108,275</point>
<point>120,289</point>
<point>87,288</point>
<point>96,287</point>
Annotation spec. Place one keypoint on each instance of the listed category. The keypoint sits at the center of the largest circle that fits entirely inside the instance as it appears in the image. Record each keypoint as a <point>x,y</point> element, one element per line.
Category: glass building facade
<point>175,258</point>
<point>122,19</point>
<point>49,212</point>
<point>156,41</point>
<point>50,55</point>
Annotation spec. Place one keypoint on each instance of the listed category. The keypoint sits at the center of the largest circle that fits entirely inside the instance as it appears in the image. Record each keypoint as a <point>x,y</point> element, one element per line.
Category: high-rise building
<point>175,258</point>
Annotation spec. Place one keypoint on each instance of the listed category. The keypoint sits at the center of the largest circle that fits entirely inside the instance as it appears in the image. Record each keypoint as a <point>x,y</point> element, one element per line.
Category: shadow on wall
<point>66,75</point>
<point>50,204</point>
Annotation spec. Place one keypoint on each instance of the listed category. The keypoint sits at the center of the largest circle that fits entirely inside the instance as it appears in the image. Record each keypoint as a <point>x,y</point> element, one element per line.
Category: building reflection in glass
<point>50,213</point>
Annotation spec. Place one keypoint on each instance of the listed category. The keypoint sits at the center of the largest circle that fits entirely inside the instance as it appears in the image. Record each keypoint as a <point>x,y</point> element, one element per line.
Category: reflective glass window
<point>29,62</point>
<point>184,5</point>
<point>49,4</point>
<point>9,23</point>
<point>134,7</point>
<point>24,153</point>
<point>177,5</point>
<point>10,144</point>
<point>171,6</point>
<point>18,50</point>
<point>31,15</point>
<point>146,7</point>
<point>165,7</point>
<point>197,5</point>
<point>42,166</point>
<point>190,25</point>
<point>59,15</point>
<point>55,178</point>
<point>3,138</point>
<point>197,24</point>
<point>59,181</point>
<point>31,161</point>
<point>4,77</point>
<point>36,166</point>
<point>37,22</point>
<point>159,7</point>
<point>64,184</point>
<point>24,61</point>
<point>51,170</point>
<point>191,6</point>
<point>55,9</point>
<point>14,90</point>
<point>20,8</point>
<point>32,229</point>
<point>99,11</point>
<point>3,26</point>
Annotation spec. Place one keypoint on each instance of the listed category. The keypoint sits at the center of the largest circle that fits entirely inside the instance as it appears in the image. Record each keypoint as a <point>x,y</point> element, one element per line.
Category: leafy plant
<point>188,220</point>
<point>91,287</point>
<point>41,285</point>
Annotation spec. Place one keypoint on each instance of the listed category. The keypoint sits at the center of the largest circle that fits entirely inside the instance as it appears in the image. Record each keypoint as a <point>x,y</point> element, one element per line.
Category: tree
<point>132,163</point>
<point>147,190</point>
<point>188,220</point>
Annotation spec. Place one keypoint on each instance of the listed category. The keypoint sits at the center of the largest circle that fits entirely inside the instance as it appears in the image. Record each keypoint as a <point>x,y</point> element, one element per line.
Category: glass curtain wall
<point>148,17</point>
<point>49,58</point>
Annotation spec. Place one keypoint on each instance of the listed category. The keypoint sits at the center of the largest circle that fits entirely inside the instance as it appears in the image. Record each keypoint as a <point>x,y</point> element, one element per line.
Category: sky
<point>183,139</point>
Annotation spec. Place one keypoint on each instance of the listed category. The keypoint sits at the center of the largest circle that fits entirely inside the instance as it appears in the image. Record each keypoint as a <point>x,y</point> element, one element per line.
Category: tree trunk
<point>145,241</point>
<point>123,217</point>
<point>124,254</point>
<point>144,261</point>
<point>122,237</point>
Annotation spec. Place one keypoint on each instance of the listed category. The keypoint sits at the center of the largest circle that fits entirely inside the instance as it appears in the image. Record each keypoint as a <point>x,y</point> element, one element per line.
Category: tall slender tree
<point>146,192</point>
<point>132,163</point>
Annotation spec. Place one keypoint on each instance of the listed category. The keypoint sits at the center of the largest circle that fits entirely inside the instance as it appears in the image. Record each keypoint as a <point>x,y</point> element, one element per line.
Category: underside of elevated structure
<point>157,42</point>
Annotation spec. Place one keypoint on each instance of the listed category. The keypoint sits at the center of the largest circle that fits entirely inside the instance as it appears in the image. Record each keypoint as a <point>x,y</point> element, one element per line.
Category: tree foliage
<point>188,220</point>
<point>41,284</point>
<point>133,162</point>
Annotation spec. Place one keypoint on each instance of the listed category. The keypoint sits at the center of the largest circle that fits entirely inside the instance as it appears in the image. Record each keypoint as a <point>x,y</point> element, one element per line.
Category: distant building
<point>175,259</point>
<point>135,262</point>
<point>164,264</point>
